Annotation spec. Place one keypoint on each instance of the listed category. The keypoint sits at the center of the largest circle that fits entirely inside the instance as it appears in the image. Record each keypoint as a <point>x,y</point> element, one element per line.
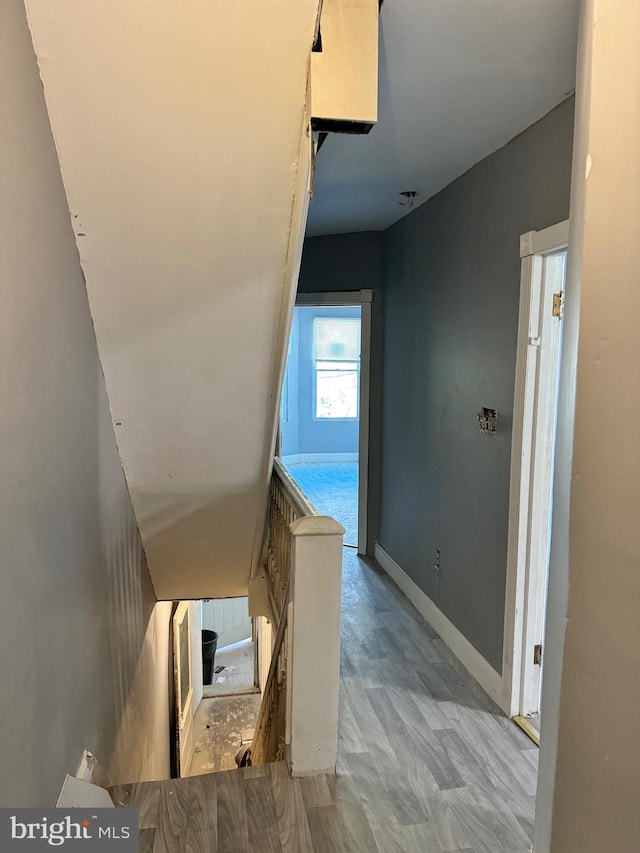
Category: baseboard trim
<point>78,793</point>
<point>467,654</point>
<point>296,458</point>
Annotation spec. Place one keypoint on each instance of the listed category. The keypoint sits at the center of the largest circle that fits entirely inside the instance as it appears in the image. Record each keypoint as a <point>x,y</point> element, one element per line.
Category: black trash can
<point>209,646</point>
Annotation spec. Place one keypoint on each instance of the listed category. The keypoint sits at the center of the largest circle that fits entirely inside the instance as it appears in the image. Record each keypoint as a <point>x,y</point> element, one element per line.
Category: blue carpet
<point>332,487</point>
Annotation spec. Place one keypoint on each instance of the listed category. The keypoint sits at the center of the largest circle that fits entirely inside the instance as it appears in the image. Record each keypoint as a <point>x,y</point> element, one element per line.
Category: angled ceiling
<point>458,80</point>
<point>180,133</point>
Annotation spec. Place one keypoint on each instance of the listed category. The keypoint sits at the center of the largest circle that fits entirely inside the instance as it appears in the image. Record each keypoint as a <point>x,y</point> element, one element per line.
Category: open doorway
<point>228,647</point>
<point>324,413</point>
<point>216,693</point>
<point>544,263</point>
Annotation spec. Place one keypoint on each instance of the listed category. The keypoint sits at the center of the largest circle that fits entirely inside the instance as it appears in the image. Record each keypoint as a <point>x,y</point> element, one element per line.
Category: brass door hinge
<point>537,654</point>
<point>558,304</point>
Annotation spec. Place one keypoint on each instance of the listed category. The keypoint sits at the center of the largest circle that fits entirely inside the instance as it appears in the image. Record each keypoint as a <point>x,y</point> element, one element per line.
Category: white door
<point>229,617</point>
<point>183,679</point>
<point>544,260</point>
<point>545,407</point>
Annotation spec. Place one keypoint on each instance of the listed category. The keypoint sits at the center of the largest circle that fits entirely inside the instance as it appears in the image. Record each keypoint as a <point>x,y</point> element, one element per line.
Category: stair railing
<point>298,717</point>
<point>287,503</point>
<point>269,741</point>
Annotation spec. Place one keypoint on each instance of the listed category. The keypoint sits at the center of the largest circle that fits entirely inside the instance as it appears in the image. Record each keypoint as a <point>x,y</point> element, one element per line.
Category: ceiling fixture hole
<point>409,197</point>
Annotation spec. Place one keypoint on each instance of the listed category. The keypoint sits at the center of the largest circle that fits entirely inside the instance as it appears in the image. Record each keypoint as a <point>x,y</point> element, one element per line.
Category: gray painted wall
<point>83,646</point>
<point>354,262</point>
<point>341,262</point>
<point>451,287</point>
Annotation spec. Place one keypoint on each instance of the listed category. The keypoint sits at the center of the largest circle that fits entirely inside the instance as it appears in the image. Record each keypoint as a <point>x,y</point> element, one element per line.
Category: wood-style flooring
<point>427,763</point>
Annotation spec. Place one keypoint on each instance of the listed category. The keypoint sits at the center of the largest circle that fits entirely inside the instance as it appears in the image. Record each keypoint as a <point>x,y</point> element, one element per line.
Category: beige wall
<point>164,115</point>
<point>83,647</point>
<point>597,776</point>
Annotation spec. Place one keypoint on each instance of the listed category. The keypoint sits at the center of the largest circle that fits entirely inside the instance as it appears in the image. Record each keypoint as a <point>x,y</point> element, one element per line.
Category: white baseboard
<point>87,788</point>
<point>78,793</point>
<point>295,458</point>
<point>467,654</point>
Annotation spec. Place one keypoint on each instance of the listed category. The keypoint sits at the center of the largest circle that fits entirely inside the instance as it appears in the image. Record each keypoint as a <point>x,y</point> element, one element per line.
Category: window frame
<point>314,398</point>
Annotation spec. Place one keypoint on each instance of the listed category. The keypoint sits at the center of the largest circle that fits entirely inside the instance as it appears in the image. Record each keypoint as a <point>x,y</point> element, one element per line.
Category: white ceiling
<point>179,130</point>
<point>458,80</point>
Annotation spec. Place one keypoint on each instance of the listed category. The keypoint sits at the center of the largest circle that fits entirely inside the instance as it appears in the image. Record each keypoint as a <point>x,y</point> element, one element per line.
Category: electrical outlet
<point>437,561</point>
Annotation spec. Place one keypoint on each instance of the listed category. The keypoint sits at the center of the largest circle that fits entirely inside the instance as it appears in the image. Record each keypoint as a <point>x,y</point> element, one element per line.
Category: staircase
<point>253,809</point>
<point>184,133</point>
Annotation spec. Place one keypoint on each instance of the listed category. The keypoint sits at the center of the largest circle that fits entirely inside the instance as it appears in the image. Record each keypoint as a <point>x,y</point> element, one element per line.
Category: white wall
<point>179,129</point>
<point>196,626</point>
<point>83,645</point>
<point>229,617</point>
<point>594,698</point>
<point>141,750</point>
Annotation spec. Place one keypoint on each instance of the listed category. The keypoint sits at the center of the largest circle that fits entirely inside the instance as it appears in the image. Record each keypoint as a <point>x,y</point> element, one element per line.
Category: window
<point>336,348</point>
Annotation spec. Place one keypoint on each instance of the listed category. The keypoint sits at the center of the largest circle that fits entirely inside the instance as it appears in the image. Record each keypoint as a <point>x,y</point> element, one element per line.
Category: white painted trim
<point>295,458</point>
<point>524,390</point>
<point>467,654</point>
<point>86,767</point>
<point>531,454</point>
<point>78,793</point>
<point>552,239</point>
<point>363,298</point>
<point>541,485</point>
<point>313,663</point>
<point>184,710</point>
<point>363,434</point>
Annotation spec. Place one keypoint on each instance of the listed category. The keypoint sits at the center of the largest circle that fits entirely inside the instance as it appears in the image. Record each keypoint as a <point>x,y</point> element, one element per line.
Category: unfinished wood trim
<point>527,728</point>
<point>344,76</point>
<point>273,666</point>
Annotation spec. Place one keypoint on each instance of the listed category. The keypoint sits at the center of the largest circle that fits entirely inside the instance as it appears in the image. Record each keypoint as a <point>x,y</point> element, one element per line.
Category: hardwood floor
<point>427,763</point>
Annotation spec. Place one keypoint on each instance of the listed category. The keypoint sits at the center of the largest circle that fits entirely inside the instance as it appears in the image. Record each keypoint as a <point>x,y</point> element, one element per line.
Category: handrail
<point>302,548</point>
<point>268,741</point>
<point>299,501</point>
<point>287,503</point>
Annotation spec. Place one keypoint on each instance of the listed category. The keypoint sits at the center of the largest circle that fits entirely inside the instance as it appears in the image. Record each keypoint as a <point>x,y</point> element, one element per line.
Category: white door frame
<point>185,709</point>
<point>532,452</point>
<point>364,299</point>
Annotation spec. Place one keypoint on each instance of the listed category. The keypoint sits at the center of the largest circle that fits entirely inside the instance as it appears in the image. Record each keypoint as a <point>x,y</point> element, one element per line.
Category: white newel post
<point>314,645</point>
